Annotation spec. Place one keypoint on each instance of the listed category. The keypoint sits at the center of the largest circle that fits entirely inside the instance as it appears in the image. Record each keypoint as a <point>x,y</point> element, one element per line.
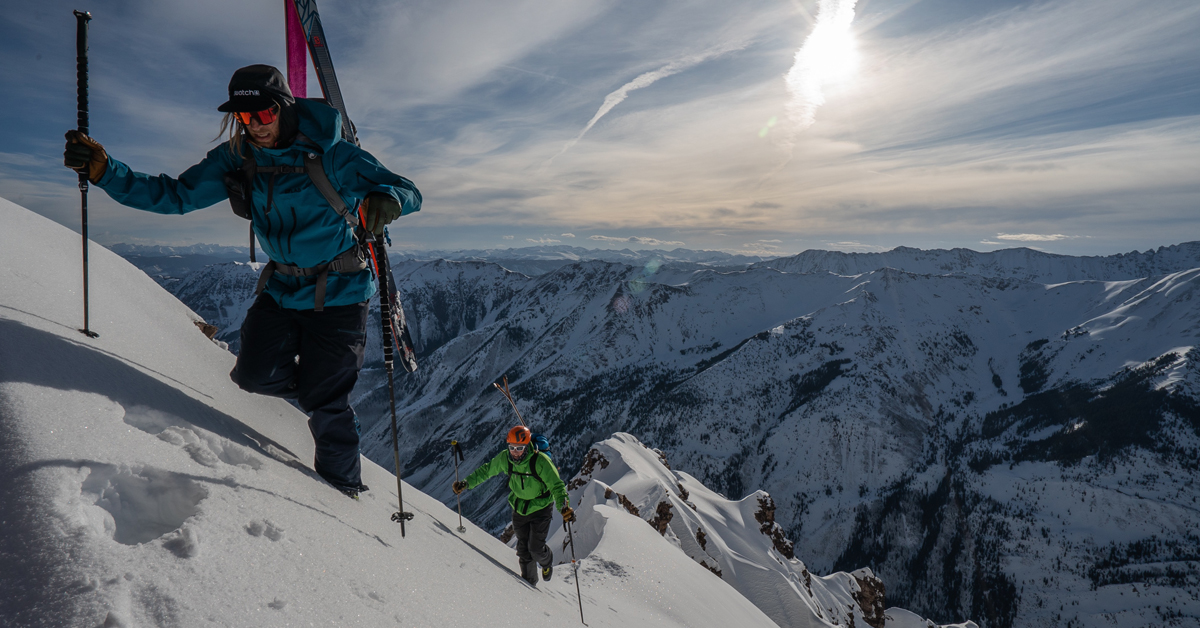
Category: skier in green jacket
<point>535,487</point>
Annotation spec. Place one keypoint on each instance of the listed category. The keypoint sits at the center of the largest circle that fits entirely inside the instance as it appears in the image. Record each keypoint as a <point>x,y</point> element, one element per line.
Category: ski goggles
<point>517,449</point>
<point>266,116</point>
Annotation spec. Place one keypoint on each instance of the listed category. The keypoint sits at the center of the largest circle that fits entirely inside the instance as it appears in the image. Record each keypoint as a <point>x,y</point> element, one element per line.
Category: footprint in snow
<point>203,446</point>
<point>265,528</point>
<point>140,504</point>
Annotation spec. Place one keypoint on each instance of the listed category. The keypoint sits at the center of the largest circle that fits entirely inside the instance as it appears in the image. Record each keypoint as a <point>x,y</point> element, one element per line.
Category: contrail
<point>645,80</point>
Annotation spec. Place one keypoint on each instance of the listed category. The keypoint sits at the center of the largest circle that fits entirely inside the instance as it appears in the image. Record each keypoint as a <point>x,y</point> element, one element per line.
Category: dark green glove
<point>85,156</point>
<point>381,209</point>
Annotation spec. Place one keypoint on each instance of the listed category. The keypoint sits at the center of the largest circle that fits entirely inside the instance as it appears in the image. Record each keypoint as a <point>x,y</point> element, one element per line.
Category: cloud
<point>855,247</point>
<point>1032,237</point>
<point>645,80</point>
<point>567,235</point>
<point>543,241</point>
<point>760,248</point>
<point>635,240</point>
<point>508,237</point>
<point>1056,117</point>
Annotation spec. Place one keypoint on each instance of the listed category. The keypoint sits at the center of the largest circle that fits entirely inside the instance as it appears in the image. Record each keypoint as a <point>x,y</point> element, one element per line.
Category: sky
<point>760,127</point>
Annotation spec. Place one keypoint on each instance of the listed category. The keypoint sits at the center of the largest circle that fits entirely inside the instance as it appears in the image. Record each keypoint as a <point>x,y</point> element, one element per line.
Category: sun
<point>832,52</point>
<point>829,56</point>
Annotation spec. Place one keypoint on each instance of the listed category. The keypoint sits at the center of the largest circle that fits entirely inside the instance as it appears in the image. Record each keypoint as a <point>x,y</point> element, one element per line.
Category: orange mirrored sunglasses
<point>266,116</point>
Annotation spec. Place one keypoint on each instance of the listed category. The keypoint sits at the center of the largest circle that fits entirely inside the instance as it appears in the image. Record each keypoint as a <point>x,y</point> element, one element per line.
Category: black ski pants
<point>329,345</point>
<point>531,531</point>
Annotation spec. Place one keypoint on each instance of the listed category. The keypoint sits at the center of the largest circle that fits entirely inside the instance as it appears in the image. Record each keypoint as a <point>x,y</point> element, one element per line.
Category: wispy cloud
<point>635,240</point>
<point>543,241</point>
<point>645,80</point>
<point>1032,237</point>
<point>567,235</point>
<point>855,247</point>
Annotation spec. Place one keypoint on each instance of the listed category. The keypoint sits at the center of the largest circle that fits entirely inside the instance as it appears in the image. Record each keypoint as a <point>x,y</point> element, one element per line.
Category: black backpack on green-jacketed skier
<point>533,480</point>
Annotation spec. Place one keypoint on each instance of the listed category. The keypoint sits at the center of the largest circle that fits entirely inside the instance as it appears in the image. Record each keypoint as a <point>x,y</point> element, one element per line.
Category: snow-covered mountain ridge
<point>1020,263</point>
<point>738,542</point>
<point>882,410</point>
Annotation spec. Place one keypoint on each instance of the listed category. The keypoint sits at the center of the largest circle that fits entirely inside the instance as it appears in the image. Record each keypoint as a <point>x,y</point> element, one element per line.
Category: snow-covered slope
<point>140,487</point>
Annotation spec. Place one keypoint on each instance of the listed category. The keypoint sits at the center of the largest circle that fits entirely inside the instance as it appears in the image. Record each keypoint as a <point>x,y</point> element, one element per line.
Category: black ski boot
<point>547,571</point>
<point>353,492</point>
<point>529,573</point>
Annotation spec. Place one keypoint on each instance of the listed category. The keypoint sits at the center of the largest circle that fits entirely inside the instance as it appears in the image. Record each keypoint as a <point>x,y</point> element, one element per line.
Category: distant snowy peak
<point>536,260</point>
<point>125,250</point>
<point>1020,263</point>
<point>738,541</point>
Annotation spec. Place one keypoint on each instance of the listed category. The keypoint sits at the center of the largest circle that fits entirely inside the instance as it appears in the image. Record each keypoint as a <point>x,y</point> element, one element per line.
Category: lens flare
<point>829,56</point>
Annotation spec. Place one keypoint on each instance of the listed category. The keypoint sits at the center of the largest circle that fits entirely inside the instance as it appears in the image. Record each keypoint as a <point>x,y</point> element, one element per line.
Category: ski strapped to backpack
<point>538,442</point>
<point>395,330</point>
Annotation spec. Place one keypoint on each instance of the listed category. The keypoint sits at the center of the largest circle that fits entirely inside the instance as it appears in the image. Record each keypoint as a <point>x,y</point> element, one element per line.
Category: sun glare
<point>829,56</point>
<point>833,55</point>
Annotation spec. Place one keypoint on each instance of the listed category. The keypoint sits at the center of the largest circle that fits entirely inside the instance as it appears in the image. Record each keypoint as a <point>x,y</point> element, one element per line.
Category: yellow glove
<point>568,514</point>
<point>85,156</point>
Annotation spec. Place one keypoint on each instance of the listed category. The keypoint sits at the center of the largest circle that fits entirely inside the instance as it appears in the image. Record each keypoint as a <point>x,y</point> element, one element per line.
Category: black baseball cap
<point>255,88</point>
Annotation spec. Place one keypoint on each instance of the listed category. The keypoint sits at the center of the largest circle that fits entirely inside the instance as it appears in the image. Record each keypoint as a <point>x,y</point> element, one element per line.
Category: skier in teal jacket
<point>304,336</point>
<point>534,487</point>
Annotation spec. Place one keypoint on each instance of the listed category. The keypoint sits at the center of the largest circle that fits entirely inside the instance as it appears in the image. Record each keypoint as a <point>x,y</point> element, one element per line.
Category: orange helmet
<point>518,435</point>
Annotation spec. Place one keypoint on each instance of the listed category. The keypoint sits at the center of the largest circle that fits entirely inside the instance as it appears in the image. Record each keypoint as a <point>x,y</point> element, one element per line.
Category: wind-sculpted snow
<point>737,541</point>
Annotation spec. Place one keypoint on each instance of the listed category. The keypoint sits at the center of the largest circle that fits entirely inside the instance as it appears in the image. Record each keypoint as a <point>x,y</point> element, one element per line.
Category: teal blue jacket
<point>300,228</point>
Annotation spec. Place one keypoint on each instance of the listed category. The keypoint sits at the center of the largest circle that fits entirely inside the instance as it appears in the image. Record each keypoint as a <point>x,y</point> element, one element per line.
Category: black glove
<point>459,486</point>
<point>381,209</point>
<point>567,514</point>
<point>85,156</point>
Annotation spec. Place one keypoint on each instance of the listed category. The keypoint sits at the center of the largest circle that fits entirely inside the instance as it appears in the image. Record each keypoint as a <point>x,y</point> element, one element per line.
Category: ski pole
<point>508,395</point>
<point>575,567</point>
<point>379,257</point>
<point>456,453</point>
<point>81,82</point>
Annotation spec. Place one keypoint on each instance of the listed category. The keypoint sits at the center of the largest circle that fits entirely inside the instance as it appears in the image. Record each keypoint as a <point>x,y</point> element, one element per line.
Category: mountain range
<point>1009,437</point>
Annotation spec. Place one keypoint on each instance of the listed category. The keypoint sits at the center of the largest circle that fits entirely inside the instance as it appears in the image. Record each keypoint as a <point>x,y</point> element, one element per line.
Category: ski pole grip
<point>81,79</point>
<point>81,66</point>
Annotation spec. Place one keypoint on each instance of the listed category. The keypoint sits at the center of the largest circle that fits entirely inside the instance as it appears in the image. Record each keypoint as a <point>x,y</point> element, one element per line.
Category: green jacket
<point>530,489</point>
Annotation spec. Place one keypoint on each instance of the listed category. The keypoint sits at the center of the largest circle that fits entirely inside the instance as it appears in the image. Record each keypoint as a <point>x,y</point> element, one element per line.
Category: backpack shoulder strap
<point>316,171</point>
